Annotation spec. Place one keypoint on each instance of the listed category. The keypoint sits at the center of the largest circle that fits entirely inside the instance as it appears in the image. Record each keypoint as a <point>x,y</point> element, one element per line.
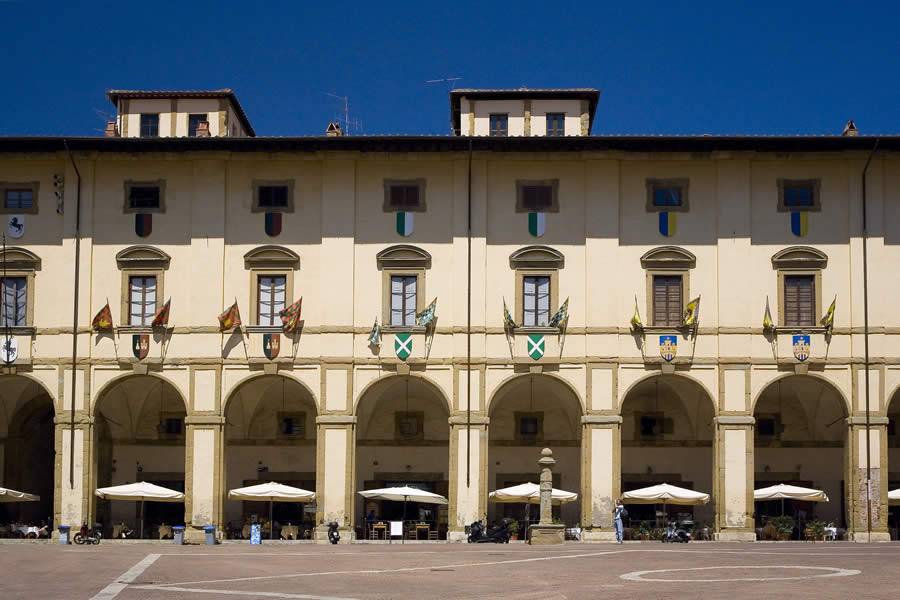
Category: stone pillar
<point>733,477</point>
<point>857,519</point>
<point>467,502</point>
<point>73,497</point>
<point>600,475</point>
<point>203,476</point>
<point>546,533</point>
<point>335,474</point>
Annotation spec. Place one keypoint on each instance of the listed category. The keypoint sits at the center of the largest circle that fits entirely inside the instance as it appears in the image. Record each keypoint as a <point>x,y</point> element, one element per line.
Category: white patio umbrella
<point>8,495</point>
<point>403,494</point>
<point>894,496</point>
<point>530,493</point>
<point>784,491</point>
<point>271,492</point>
<point>665,494</point>
<point>141,491</point>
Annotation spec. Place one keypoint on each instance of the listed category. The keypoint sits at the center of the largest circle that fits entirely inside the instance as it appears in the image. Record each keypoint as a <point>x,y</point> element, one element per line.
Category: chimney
<point>850,129</point>
<point>203,129</point>
<point>334,130</point>
<point>110,130</point>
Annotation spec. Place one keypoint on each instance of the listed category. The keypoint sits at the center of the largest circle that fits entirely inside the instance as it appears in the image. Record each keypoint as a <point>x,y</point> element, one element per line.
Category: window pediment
<point>272,257</point>
<point>403,256</point>
<point>537,257</point>
<point>800,257</point>
<point>668,257</point>
<point>20,259</point>
<point>143,257</point>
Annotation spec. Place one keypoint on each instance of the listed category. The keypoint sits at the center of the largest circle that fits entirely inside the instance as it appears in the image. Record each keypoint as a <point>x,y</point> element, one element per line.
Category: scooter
<point>494,535</point>
<point>676,533</point>
<point>333,535</point>
<point>87,535</point>
<point>127,533</point>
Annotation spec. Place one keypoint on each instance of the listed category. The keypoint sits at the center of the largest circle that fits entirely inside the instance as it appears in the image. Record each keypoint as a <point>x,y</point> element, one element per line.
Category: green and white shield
<point>403,345</point>
<point>535,346</point>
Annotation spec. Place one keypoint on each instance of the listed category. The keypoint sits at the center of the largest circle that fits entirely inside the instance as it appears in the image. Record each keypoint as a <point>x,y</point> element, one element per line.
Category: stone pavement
<point>367,572</point>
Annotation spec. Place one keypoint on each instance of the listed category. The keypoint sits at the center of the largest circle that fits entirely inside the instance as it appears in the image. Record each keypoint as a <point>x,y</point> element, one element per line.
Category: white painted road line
<point>828,572</point>
<point>247,594</point>
<point>121,582</point>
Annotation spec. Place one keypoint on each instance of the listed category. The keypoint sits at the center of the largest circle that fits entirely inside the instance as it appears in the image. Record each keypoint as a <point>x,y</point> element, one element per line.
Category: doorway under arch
<point>893,458</point>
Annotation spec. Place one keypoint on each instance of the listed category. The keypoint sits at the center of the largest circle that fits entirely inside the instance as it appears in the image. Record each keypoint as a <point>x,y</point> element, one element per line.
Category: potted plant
<point>815,530</point>
<point>784,527</point>
<point>656,534</point>
<point>644,531</point>
<point>513,529</point>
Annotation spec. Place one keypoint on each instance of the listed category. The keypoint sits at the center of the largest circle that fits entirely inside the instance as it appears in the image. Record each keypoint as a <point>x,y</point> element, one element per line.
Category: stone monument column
<point>545,532</point>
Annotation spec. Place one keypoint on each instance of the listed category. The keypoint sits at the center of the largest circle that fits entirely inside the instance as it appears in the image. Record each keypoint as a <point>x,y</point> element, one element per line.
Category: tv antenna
<point>450,81</point>
<point>347,124</point>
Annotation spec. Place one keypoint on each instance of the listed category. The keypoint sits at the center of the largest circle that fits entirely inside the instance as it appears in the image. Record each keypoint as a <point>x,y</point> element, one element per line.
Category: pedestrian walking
<point>619,513</point>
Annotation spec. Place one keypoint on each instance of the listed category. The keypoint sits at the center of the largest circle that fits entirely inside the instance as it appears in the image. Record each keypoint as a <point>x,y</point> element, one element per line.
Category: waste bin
<point>64,538</point>
<point>255,537</point>
<point>178,535</point>
<point>210,535</point>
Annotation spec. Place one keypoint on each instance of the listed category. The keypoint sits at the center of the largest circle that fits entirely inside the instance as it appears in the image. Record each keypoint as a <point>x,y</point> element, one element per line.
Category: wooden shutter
<point>667,300</point>
<point>799,301</point>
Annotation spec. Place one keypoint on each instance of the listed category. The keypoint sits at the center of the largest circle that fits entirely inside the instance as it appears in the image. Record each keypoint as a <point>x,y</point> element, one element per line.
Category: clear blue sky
<point>677,68</point>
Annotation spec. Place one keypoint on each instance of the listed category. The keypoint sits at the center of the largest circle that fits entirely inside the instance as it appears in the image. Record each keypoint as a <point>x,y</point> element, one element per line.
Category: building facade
<point>638,273</point>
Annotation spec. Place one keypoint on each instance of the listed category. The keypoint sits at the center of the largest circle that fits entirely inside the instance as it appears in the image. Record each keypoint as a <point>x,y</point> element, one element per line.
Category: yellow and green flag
<point>692,313</point>
<point>828,319</point>
<point>231,318</point>
<point>636,323</point>
<point>768,323</point>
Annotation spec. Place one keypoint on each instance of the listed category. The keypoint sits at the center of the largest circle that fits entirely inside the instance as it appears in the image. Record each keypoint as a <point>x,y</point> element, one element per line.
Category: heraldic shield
<point>271,345</point>
<point>668,346</point>
<point>403,345</point>
<point>140,345</point>
<point>801,347</point>
<point>10,349</point>
<point>536,346</point>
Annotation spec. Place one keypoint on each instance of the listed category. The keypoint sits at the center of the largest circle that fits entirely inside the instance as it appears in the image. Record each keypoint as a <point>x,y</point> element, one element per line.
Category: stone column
<point>73,497</point>
<point>600,475</point>
<point>858,512</point>
<point>733,478</point>
<point>335,474</point>
<point>467,502</point>
<point>546,533</point>
<point>203,476</point>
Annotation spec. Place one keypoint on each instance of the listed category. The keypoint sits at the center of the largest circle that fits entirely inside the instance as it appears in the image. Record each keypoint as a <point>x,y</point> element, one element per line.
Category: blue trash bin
<point>210,535</point>
<point>64,538</point>
<point>255,534</point>
<point>178,535</point>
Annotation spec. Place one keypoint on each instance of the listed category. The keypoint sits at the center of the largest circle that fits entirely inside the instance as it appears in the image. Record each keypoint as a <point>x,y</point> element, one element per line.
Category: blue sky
<point>671,68</point>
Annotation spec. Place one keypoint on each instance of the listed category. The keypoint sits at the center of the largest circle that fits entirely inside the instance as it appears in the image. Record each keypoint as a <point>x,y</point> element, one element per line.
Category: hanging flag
<point>424,318</point>
<point>405,223</point>
<point>561,315</point>
<point>403,345</point>
<point>140,345</point>
<point>800,223</point>
<point>375,334</point>
<point>273,224</point>
<point>231,318</point>
<point>508,321</point>
<point>103,319</point>
<point>667,223</point>
<point>162,317</point>
<point>290,317</point>
<point>692,312</point>
<point>537,223</point>
<point>768,323</point>
<point>535,346</point>
<point>143,224</point>
<point>636,322</point>
<point>828,319</point>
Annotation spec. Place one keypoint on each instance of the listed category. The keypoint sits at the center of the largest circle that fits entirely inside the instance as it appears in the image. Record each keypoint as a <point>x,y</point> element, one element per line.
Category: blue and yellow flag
<point>667,223</point>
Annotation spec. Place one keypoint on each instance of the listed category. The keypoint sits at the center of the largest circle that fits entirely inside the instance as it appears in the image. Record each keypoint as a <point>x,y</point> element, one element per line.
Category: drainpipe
<point>469,318</point>
<point>74,315</point>
<point>865,235</point>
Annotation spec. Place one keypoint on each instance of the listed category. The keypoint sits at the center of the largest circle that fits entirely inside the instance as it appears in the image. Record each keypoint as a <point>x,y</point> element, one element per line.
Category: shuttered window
<point>536,301</point>
<point>12,308</point>
<point>799,301</point>
<point>142,300</point>
<point>403,300</point>
<point>667,300</point>
<point>271,299</point>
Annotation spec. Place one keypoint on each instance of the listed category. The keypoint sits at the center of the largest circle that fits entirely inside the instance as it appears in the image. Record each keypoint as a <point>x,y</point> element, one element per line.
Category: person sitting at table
<point>44,531</point>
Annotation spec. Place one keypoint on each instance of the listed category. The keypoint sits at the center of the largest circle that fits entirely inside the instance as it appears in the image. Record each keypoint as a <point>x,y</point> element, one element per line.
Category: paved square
<point>366,572</point>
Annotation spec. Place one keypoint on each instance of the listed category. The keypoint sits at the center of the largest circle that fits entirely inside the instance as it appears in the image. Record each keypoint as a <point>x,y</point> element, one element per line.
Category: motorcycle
<point>87,535</point>
<point>127,533</point>
<point>677,533</point>
<point>333,535</point>
<point>494,535</point>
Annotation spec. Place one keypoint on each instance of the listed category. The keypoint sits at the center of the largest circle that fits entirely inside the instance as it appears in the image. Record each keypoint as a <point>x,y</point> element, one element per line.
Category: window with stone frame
<point>141,300</point>
<point>13,301</point>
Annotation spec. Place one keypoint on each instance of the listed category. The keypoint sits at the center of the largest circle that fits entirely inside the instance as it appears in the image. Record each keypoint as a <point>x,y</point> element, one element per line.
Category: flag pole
<point>5,312</point>
<point>115,337</point>
<point>240,328</point>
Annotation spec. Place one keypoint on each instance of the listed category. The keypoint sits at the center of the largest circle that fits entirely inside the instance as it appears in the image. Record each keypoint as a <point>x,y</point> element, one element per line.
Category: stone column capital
<point>873,421</point>
<point>736,420</point>
<point>336,420</point>
<point>475,420</point>
<point>601,420</point>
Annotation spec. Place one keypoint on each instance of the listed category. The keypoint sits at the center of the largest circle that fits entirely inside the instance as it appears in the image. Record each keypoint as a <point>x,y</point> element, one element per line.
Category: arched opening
<point>140,436</point>
<point>270,435</point>
<point>667,437</point>
<point>799,439</point>
<point>27,449</point>
<point>402,438</point>
<point>893,470</point>
<point>529,413</point>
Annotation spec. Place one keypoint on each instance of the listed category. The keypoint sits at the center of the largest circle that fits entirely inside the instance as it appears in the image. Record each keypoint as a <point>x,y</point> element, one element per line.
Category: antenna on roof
<point>451,85</point>
<point>350,126</point>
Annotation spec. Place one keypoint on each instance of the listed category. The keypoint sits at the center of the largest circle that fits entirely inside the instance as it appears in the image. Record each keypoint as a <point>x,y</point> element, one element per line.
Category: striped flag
<point>231,318</point>
<point>162,317</point>
<point>290,317</point>
<point>405,223</point>
<point>667,223</point>
<point>103,319</point>
<point>537,223</point>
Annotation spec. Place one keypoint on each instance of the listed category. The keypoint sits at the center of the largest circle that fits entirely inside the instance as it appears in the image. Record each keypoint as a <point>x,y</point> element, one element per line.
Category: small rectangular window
<point>273,196</point>
<point>666,196</point>
<point>537,198</point>
<point>271,299</point>
<point>536,301</point>
<point>19,199</point>
<point>528,426</point>
<point>799,301</point>
<point>142,300</point>
<point>173,426</point>
<point>668,300</point>
<point>12,308</point>
<point>291,424</point>
<point>404,196</point>
<point>498,124</point>
<point>765,427</point>
<point>556,124</point>
<point>149,125</point>
<point>408,426</point>
<point>403,300</point>
<point>799,195</point>
<point>143,196</point>
<point>194,121</point>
